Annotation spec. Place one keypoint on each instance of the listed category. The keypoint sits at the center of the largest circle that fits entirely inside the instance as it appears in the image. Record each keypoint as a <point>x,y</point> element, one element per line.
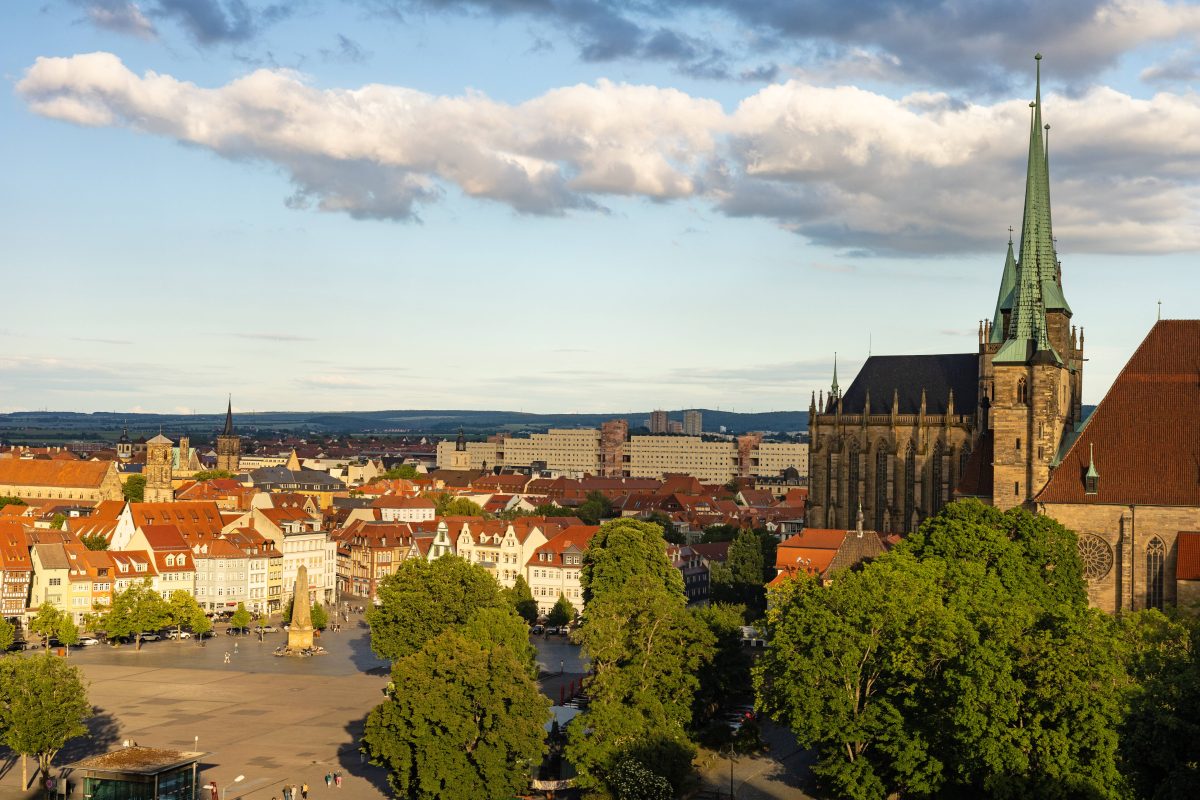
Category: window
<point>936,489</point>
<point>1155,556</point>
<point>55,582</point>
<point>1018,444</point>
<point>881,464</point>
<point>1016,488</point>
<point>852,479</point>
<point>910,486</point>
<point>1022,392</point>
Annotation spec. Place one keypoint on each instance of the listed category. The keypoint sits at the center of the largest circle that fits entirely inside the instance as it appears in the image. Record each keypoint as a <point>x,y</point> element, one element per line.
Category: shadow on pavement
<point>355,763</point>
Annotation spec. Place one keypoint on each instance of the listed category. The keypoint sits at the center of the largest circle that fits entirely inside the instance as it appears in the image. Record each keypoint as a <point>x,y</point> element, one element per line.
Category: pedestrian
<point>304,791</point>
<point>337,779</point>
<point>328,779</point>
<point>226,656</point>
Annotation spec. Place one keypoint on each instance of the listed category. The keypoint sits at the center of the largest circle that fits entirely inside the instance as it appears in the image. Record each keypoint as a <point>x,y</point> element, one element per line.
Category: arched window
<point>963,458</point>
<point>881,465</point>
<point>828,482</point>
<point>936,489</point>
<point>1022,392</point>
<point>1155,556</point>
<point>910,486</point>
<point>852,478</point>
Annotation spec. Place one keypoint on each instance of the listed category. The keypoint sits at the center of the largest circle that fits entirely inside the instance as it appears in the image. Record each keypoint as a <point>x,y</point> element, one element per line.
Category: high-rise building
<point>658,422</point>
<point>692,423</point>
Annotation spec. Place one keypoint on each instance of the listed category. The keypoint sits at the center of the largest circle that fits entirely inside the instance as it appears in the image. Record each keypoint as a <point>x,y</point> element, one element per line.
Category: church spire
<point>1036,288</point>
<point>1004,300</point>
<point>229,418</point>
<point>833,390</point>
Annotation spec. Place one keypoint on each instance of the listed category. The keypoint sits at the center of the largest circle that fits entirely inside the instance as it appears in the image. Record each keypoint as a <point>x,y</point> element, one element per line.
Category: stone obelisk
<point>300,633</point>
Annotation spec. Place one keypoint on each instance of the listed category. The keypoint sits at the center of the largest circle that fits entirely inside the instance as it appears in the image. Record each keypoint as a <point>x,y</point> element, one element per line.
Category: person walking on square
<point>328,779</point>
<point>304,791</point>
<point>337,779</point>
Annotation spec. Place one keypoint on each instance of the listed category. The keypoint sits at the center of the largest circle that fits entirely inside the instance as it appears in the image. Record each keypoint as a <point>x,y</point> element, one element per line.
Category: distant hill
<point>57,426</point>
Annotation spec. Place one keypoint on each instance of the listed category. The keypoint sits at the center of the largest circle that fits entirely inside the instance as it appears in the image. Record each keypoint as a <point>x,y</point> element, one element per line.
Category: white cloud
<point>840,165</point>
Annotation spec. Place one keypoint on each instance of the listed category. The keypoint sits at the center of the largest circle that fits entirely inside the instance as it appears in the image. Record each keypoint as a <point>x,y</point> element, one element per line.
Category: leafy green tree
<point>58,521</point>
<point>134,488</point>
<point>464,721</point>
<point>720,533</point>
<point>46,623</point>
<point>447,505</point>
<point>240,617</point>
<point>94,541</point>
<point>137,610</point>
<point>622,549</point>
<point>552,510</point>
<point>745,563</point>
<point>562,612</point>
<point>630,780</point>
<point>200,624</point>
<point>423,598</point>
<point>596,507</point>
<point>285,613</point>
<point>646,650</point>
<point>521,597</point>
<point>320,619</point>
<point>211,474</point>
<point>502,627</point>
<point>400,472</point>
<point>964,663</point>
<point>68,632</point>
<point>182,610</point>
<point>1160,736</point>
<point>43,705</point>
<point>8,634</point>
<point>671,531</point>
<point>7,500</point>
<point>728,673</point>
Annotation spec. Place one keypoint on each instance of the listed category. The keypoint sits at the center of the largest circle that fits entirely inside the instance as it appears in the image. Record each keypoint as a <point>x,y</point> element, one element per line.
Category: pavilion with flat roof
<point>138,773</point>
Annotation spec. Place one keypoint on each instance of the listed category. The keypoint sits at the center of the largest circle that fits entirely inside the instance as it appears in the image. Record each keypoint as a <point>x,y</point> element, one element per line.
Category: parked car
<point>173,634</point>
<point>266,629</point>
<point>234,631</point>
<point>538,630</point>
<point>150,637</point>
<point>87,641</point>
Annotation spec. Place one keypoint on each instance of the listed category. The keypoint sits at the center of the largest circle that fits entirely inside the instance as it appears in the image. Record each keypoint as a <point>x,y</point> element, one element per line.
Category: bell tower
<point>229,444</point>
<point>158,470</point>
<point>1034,375</point>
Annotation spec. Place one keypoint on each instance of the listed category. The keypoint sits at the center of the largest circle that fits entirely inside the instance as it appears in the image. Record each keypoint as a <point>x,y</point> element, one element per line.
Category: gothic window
<point>936,491</point>
<point>1155,555</point>
<point>852,476</point>
<point>828,480</point>
<point>1022,392</point>
<point>963,458</point>
<point>910,485</point>
<point>881,464</point>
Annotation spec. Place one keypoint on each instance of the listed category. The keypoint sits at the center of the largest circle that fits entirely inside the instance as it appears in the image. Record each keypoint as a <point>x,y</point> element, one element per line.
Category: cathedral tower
<point>1031,365</point>
<point>229,445</point>
<point>158,470</point>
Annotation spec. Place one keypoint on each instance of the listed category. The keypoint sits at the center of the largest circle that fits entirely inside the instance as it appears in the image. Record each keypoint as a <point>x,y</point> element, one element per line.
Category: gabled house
<point>553,568</point>
<point>174,566</point>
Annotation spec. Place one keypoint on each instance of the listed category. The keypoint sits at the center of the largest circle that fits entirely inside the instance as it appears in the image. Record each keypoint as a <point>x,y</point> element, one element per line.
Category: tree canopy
<point>319,616</point>
<point>46,623</point>
<point>211,474</point>
<point>137,610</point>
<point>95,541</point>
<point>400,471</point>
<point>622,549</point>
<point>521,597</point>
<point>447,505</point>
<point>183,611</point>
<point>8,500</point>
<point>562,612</point>
<point>595,508</point>
<point>423,598</point>
<point>43,705</point>
<point>964,663</point>
<point>134,488</point>
<point>240,617</point>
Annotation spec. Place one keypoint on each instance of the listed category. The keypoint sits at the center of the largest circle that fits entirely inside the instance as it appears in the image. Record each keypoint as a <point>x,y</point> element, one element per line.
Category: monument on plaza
<point>300,633</point>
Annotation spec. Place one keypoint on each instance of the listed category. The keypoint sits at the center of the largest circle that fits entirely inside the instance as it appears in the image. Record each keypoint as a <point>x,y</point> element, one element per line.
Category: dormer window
<point>170,561</point>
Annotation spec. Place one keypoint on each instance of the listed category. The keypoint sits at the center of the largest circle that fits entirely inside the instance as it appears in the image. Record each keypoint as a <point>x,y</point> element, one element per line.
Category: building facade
<point>229,444</point>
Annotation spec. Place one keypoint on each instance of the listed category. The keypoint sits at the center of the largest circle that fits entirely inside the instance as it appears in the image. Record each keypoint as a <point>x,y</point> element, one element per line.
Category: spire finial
<point>1010,230</point>
<point>833,390</point>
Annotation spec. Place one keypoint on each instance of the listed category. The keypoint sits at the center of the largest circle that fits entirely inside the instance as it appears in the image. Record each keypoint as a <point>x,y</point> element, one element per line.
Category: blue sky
<point>553,205</point>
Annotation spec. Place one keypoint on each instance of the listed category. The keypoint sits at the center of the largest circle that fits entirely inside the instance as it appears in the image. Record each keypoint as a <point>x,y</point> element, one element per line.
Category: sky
<point>567,206</point>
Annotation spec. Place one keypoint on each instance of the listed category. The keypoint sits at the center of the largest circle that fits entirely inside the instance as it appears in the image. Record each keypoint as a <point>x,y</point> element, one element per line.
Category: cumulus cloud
<point>979,43</point>
<point>841,166</point>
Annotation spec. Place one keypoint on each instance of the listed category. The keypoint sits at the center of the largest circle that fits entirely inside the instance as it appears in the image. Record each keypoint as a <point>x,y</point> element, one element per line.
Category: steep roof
<point>906,376</point>
<point>46,472</point>
<point>1187,564</point>
<point>1145,434</point>
<point>191,519</point>
<point>978,475</point>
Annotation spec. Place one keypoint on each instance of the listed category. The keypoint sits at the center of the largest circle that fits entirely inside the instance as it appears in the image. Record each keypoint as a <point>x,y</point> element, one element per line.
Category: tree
<point>320,619</point>
<point>463,721</point>
<point>447,505</point>
<point>400,472</point>
<point>46,623</point>
<point>630,780</point>
<point>8,634</point>
<point>720,533</point>
<point>182,611</point>
<point>521,597</point>
<point>134,488</point>
<point>423,598</point>
<point>200,624</point>
<point>746,567</point>
<point>646,650</point>
<point>43,705</point>
<point>58,521</point>
<point>211,474</point>
<point>596,507</point>
<point>964,663</point>
<point>68,632</point>
<point>137,610</point>
<point>671,531</point>
<point>8,500</point>
<point>94,541</point>
<point>552,510</point>
<point>562,613</point>
<point>728,673</point>
<point>502,627</point>
<point>622,549</point>
<point>285,613</point>
<point>240,617</point>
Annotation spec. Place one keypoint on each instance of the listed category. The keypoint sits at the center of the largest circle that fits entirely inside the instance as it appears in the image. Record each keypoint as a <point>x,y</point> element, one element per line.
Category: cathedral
<point>913,432</point>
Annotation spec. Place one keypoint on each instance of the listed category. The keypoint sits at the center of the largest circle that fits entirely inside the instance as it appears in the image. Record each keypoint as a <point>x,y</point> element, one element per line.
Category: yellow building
<point>51,479</point>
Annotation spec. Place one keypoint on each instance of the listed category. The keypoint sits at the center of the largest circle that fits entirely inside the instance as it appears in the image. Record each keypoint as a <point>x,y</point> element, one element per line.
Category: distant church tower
<point>460,458</point>
<point>124,446</point>
<point>229,444</point>
<point>158,470</point>
<point>1031,359</point>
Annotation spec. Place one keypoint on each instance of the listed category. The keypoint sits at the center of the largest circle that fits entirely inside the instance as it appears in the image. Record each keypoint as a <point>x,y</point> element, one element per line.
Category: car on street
<point>87,641</point>
<point>179,634</point>
<point>538,630</point>
<point>266,629</point>
<point>234,631</point>
<point>150,637</point>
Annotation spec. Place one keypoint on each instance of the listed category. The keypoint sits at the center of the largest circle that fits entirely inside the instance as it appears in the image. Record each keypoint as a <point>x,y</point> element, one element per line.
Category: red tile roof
<point>1146,431</point>
<point>38,472</point>
<point>193,520</point>
<point>575,537</point>
<point>1187,564</point>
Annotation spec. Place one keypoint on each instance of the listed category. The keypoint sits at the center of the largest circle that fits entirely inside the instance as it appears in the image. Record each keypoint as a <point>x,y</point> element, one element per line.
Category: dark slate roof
<point>270,476</point>
<point>908,375</point>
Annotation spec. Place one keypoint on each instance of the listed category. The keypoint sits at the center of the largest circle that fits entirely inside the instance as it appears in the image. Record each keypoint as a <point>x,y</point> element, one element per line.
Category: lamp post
<point>730,755</point>
<point>241,778</point>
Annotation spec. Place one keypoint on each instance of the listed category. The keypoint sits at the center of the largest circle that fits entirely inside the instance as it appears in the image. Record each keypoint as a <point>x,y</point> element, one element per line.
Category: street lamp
<point>241,778</point>
<point>730,755</point>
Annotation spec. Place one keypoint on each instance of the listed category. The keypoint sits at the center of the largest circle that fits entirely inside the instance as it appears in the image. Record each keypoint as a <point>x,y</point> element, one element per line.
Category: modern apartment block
<point>693,423</point>
<point>658,422</point>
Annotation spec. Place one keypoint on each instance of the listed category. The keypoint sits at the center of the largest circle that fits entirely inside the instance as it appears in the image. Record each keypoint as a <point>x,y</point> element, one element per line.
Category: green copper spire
<point>1037,286</point>
<point>1004,300</point>
<point>1091,471</point>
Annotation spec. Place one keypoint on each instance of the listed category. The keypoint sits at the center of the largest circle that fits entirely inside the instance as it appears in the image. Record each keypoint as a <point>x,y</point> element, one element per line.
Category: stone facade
<point>159,457</point>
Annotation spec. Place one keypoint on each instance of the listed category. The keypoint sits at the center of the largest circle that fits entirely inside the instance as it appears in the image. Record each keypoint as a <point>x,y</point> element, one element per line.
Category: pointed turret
<point>1004,300</point>
<point>833,389</point>
<point>1037,288</point>
<point>228,418</point>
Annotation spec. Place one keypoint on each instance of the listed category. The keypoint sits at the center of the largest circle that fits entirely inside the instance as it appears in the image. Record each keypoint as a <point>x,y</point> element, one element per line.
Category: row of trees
<point>967,663</point>
<point>464,717</point>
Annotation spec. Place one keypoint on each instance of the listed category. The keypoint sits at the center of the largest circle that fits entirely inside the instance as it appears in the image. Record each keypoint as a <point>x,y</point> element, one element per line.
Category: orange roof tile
<point>1187,564</point>
<point>67,474</point>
